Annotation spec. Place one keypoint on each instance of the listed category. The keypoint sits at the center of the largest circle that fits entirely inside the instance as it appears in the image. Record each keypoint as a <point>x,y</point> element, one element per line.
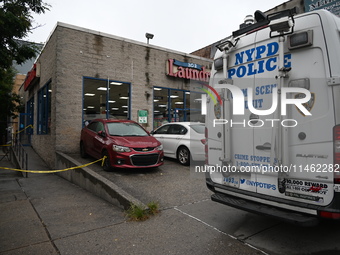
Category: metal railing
<point>20,154</point>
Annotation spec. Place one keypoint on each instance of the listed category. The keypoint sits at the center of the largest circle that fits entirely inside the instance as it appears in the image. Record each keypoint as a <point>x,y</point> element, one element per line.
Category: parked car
<point>125,143</point>
<point>182,140</point>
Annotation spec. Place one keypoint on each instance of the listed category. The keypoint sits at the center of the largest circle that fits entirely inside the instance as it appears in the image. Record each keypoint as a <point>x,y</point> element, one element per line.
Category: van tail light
<point>336,156</point>
<point>329,215</point>
<point>206,145</point>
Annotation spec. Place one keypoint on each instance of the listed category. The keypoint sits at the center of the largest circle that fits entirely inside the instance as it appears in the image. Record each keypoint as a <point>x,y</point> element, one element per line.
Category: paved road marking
<point>233,237</point>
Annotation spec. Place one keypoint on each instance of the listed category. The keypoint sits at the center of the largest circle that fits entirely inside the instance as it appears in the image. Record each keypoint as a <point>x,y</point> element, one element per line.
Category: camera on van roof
<point>281,25</point>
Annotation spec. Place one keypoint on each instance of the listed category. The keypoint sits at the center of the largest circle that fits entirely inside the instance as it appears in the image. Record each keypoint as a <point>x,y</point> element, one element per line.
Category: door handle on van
<point>265,146</point>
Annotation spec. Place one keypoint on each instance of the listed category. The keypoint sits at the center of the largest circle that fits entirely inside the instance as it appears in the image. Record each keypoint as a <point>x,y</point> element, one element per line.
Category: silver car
<point>183,141</point>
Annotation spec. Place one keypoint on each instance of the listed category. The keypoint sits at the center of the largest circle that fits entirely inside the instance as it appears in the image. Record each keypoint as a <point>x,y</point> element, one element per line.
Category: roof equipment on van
<point>227,44</point>
<point>260,16</point>
<point>263,21</point>
<point>280,23</point>
<point>248,20</point>
<point>281,26</point>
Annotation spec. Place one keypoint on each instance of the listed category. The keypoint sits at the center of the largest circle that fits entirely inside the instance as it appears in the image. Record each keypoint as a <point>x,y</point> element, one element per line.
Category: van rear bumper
<point>267,210</point>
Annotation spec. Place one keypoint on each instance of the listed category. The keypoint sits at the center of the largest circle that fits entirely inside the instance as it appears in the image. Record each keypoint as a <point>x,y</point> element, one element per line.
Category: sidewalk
<point>45,214</point>
<point>38,211</point>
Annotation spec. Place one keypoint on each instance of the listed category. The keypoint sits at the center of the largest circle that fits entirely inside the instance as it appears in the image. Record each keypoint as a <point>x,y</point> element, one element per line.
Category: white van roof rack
<point>264,20</point>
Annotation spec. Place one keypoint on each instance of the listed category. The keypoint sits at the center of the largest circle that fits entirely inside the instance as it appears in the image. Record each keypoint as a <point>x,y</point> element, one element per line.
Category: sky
<point>181,25</point>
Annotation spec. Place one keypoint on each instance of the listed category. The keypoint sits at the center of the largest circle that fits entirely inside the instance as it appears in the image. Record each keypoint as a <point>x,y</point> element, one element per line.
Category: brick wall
<point>44,144</point>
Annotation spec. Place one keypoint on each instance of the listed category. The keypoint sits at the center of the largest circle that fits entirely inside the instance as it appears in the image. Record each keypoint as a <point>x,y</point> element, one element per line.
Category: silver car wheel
<point>183,156</point>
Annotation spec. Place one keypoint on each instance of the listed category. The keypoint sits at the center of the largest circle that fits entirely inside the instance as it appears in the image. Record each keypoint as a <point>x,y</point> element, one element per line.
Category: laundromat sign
<point>190,71</point>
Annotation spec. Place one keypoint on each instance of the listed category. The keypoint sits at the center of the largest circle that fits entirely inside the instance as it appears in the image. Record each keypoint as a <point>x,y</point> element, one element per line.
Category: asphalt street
<point>176,188</point>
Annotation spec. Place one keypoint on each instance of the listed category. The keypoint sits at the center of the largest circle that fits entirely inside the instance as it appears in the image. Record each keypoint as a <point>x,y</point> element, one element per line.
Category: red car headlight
<point>118,148</point>
<point>159,148</point>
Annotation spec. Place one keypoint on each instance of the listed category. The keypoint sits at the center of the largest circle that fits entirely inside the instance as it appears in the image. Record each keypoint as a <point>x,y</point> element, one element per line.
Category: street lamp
<point>148,36</point>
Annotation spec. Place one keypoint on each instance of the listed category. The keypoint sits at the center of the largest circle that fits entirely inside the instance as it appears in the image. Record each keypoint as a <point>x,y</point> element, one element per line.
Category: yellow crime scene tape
<point>54,171</point>
<point>29,126</point>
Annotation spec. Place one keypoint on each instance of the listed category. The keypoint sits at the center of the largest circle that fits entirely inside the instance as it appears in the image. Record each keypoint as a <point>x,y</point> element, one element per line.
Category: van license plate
<point>233,181</point>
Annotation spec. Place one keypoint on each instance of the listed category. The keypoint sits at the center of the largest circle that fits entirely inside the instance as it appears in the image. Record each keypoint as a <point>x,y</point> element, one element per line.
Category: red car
<point>124,142</point>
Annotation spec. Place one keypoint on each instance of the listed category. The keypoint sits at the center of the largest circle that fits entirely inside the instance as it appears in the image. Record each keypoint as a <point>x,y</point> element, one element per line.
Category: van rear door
<point>308,140</point>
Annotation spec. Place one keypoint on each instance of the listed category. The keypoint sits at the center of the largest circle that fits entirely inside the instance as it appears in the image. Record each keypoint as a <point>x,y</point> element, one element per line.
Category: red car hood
<point>135,141</point>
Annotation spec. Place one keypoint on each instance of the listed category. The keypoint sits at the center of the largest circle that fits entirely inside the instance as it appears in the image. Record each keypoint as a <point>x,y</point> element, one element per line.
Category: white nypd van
<point>272,130</point>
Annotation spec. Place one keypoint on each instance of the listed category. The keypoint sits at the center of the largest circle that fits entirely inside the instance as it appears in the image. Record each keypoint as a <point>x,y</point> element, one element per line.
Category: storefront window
<point>119,100</point>
<point>194,114</point>
<point>30,115</point>
<point>161,105</point>
<point>176,100</point>
<point>44,109</point>
<point>173,105</point>
<point>105,99</point>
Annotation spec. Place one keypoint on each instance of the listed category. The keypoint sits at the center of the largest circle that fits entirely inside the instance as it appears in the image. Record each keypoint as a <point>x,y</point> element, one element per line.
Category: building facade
<point>83,74</point>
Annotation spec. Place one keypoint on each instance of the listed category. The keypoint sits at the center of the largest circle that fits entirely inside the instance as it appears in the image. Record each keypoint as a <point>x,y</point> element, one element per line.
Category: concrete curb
<point>94,183</point>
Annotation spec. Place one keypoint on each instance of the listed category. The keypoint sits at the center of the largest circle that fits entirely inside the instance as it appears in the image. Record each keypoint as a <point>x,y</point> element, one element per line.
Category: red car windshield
<point>125,129</point>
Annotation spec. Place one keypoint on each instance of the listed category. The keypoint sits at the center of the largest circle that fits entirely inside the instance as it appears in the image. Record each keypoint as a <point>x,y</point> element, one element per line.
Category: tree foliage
<point>16,21</point>
<point>9,101</point>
